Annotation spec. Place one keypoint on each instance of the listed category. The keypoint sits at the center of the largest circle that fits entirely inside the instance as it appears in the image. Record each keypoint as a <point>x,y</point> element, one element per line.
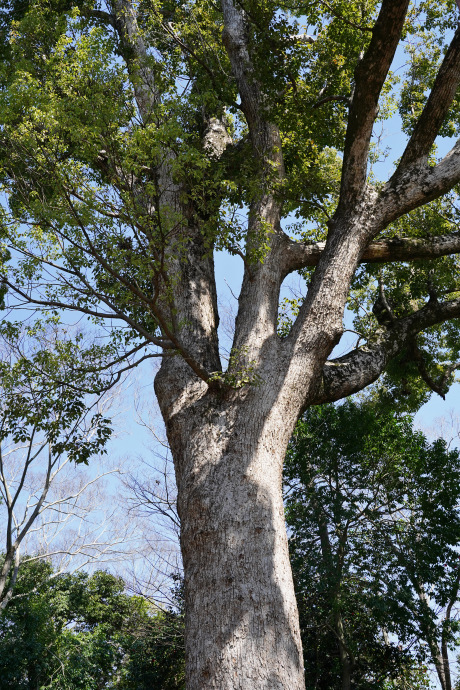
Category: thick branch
<point>370,75</point>
<point>358,369</point>
<point>234,38</point>
<point>442,94</point>
<point>417,185</point>
<point>259,293</point>
<point>138,65</point>
<point>299,255</point>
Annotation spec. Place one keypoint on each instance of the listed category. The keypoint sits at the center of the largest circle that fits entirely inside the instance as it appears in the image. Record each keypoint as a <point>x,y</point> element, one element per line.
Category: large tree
<point>374,531</point>
<point>136,138</point>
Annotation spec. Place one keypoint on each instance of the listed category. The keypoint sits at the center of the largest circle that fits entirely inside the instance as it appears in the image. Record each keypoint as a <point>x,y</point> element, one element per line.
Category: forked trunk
<point>242,629</point>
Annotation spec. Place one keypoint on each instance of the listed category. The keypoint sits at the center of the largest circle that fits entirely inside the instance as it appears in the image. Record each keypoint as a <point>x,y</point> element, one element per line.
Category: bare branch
<point>326,99</point>
<point>299,255</point>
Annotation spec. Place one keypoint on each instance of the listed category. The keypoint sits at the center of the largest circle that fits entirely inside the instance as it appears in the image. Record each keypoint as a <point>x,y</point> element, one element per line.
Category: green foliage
<point>45,382</point>
<point>239,373</point>
<point>84,223</point>
<point>372,512</point>
<point>407,287</point>
<point>70,123</point>
<point>157,653</point>
<point>81,632</point>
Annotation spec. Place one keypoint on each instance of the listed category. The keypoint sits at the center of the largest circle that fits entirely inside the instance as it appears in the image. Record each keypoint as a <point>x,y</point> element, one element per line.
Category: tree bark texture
<point>228,446</point>
<point>241,613</point>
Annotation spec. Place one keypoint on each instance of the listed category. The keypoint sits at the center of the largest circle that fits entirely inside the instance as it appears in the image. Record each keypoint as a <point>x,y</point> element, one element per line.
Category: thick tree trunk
<point>238,577</point>
<point>242,629</point>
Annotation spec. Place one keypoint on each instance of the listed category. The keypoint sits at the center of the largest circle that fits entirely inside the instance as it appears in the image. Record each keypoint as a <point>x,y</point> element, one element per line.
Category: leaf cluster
<point>45,393</point>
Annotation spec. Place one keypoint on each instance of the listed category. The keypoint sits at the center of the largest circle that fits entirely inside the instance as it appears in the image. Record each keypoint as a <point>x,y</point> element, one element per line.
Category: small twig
<point>231,291</point>
<point>345,99</point>
<point>167,27</point>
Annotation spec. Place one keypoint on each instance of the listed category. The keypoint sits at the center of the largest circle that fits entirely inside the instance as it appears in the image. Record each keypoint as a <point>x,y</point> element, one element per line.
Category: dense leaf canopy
<point>81,632</point>
<point>81,163</point>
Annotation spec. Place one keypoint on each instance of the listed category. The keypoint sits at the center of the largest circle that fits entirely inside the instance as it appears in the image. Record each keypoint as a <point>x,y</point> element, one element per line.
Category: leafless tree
<point>150,502</point>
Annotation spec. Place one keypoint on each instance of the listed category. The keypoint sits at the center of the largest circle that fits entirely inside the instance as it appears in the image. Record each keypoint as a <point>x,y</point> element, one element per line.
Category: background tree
<point>374,532</point>
<point>81,632</point>
<point>138,138</point>
<point>149,499</point>
<point>49,421</point>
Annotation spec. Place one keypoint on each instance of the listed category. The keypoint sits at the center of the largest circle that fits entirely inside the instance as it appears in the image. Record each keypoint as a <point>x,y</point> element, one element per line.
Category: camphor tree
<point>136,139</point>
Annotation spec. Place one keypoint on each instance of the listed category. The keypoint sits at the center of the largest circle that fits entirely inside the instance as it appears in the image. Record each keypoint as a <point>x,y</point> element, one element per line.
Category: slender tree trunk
<point>445,628</point>
<point>345,663</point>
<point>242,630</point>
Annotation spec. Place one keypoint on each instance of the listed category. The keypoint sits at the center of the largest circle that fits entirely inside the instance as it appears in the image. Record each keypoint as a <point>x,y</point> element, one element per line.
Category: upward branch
<point>256,320</point>
<point>370,75</point>
<point>136,56</point>
<point>417,185</point>
<point>436,108</point>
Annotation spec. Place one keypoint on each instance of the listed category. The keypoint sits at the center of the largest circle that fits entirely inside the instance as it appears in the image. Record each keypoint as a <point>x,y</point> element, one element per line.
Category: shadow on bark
<point>242,625</point>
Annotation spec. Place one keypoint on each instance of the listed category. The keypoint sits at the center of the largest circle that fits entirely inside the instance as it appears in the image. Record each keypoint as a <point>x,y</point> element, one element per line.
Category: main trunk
<point>242,630</point>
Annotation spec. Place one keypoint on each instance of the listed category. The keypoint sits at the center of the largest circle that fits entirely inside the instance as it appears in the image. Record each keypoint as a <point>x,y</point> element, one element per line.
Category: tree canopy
<point>81,632</point>
<point>85,134</point>
<point>374,533</point>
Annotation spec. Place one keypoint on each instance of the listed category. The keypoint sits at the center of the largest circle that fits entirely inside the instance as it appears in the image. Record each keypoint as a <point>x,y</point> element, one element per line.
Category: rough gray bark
<point>300,255</point>
<point>241,612</point>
